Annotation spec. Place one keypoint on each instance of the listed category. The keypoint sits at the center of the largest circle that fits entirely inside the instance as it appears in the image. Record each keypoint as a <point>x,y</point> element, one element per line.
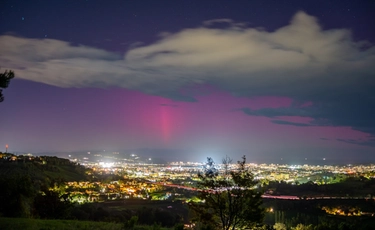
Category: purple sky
<point>269,80</point>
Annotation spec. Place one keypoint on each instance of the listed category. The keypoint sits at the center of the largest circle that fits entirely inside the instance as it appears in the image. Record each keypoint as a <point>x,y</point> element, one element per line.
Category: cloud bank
<point>300,60</point>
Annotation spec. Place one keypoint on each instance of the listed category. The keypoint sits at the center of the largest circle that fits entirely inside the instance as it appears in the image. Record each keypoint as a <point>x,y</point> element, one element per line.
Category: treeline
<point>43,167</point>
<point>25,184</point>
<point>310,212</point>
<point>350,187</point>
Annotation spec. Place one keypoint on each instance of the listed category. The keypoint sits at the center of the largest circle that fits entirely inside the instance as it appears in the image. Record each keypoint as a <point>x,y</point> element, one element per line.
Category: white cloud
<point>297,60</point>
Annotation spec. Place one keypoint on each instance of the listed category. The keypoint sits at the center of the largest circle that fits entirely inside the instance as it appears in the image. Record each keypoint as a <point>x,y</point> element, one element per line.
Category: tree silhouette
<point>16,195</point>
<point>229,198</point>
<point>4,81</point>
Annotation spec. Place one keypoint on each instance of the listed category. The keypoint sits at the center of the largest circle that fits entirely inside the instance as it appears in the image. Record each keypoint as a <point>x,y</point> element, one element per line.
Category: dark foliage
<point>149,216</point>
<point>50,205</point>
<point>25,186</point>
<point>230,201</point>
<point>4,81</point>
<point>16,195</point>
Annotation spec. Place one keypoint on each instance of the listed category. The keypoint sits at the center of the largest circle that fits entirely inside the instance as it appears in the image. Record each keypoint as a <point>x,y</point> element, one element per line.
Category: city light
<point>106,164</point>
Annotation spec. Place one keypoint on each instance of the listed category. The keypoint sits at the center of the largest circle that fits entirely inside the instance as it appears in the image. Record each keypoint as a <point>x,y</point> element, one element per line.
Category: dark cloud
<point>281,122</point>
<point>370,142</point>
<point>282,111</point>
<point>352,110</point>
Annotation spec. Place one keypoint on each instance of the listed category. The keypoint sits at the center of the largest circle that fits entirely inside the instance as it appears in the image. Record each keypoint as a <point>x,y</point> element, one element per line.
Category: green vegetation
<point>348,187</point>
<point>4,81</point>
<point>311,212</point>
<point>230,200</point>
<point>26,184</point>
<point>32,224</point>
<point>45,169</point>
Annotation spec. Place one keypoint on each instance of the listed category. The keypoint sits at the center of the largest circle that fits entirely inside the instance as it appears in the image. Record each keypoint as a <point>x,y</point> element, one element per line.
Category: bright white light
<point>106,164</point>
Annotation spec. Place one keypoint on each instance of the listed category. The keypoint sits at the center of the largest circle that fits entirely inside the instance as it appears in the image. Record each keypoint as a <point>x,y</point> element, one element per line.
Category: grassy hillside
<point>32,224</point>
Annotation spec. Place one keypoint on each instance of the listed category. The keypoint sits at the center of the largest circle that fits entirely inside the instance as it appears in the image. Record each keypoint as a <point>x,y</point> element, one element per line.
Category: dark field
<point>32,224</point>
<point>176,207</point>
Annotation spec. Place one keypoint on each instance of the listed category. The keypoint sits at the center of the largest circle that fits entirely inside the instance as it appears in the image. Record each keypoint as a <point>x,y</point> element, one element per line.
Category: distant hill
<point>42,168</point>
<point>25,183</point>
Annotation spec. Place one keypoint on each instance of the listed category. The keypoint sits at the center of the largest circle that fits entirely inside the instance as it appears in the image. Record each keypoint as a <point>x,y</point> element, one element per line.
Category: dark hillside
<point>42,168</point>
<point>25,181</point>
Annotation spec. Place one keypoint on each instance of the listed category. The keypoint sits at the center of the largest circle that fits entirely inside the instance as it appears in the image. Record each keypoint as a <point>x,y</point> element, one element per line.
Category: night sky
<point>190,79</point>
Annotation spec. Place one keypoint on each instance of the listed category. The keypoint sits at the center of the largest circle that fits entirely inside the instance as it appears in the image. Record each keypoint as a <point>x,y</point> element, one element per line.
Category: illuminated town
<point>120,181</point>
<point>134,178</point>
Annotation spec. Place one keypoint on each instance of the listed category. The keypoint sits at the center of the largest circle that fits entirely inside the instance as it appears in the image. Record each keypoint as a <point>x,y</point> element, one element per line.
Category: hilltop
<point>42,168</point>
<point>26,181</point>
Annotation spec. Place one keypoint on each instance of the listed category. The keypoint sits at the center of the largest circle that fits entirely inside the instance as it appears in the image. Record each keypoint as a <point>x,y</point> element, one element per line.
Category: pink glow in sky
<point>270,81</point>
<point>124,119</point>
